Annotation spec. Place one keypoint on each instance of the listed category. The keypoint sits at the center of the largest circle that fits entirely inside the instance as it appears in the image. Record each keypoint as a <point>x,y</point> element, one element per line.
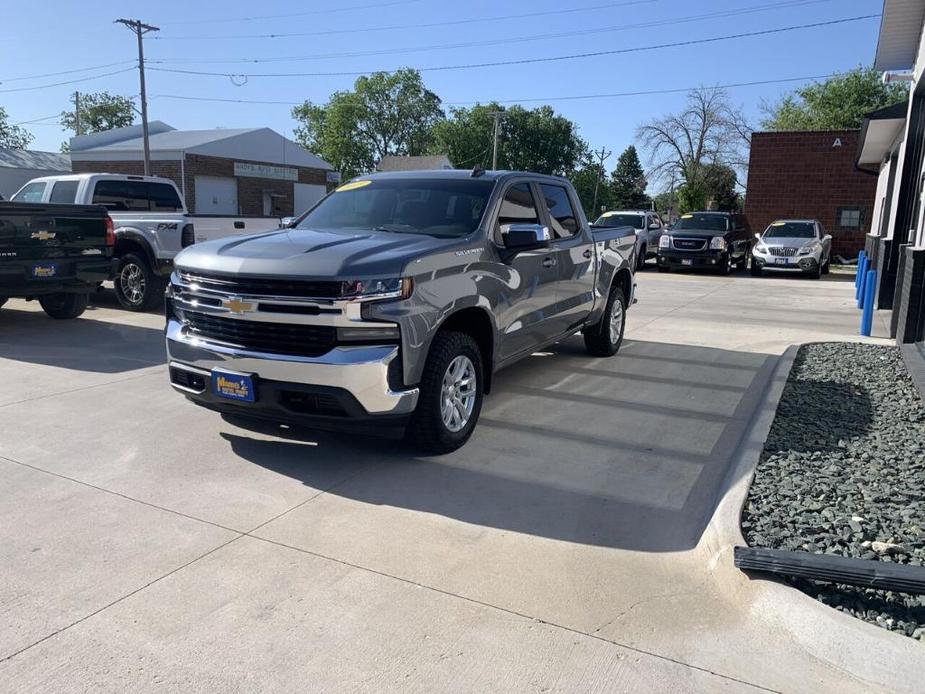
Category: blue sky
<point>72,35</point>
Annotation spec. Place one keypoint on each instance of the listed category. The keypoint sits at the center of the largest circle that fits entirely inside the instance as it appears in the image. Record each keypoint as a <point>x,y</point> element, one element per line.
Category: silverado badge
<point>235,305</point>
<point>43,235</point>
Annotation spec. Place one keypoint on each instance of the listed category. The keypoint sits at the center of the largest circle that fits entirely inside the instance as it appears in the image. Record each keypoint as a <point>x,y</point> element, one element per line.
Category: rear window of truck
<point>136,196</point>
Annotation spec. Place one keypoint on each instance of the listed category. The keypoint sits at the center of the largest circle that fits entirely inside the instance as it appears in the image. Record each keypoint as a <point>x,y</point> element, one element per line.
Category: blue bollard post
<point>862,271</point>
<point>867,315</point>
<point>857,276</point>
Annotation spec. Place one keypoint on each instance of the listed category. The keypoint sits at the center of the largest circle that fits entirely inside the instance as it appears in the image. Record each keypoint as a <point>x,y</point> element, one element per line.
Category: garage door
<point>216,195</point>
<point>307,195</point>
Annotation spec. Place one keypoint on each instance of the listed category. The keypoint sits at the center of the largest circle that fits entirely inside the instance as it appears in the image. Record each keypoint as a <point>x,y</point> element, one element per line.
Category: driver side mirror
<point>758,236</point>
<point>653,226</point>
<point>287,222</point>
<point>827,237</point>
<point>525,236</point>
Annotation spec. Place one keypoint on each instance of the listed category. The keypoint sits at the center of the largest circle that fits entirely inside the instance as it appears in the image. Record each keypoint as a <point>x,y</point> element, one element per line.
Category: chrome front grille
<point>265,287</point>
<point>782,251</point>
<point>688,244</point>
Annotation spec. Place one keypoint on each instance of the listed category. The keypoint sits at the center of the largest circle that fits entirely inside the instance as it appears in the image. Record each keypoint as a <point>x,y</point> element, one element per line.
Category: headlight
<point>664,241</point>
<point>371,290</point>
<point>811,247</point>
<point>760,247</point>
<point>718,243</point>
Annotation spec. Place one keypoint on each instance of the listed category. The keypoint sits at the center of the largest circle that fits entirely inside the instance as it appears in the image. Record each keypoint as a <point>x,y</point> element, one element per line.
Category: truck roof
<point>100,174</point>
<point>458,174</point>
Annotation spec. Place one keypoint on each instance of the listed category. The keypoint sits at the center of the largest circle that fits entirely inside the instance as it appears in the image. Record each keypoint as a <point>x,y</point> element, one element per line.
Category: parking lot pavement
<point>150,543</point>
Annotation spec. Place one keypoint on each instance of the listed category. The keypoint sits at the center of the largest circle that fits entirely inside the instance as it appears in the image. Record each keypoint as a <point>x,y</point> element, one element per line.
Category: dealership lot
<point>150,543</point>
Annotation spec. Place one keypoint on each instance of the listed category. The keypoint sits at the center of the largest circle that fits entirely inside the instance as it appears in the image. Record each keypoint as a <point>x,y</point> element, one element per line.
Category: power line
<point>647,92</point>
<point>528,61</point>
<point>508,40</point>
<point>66,72</point>
<point>58,84</point>
<point>294,14</point>
<point>425,25</point>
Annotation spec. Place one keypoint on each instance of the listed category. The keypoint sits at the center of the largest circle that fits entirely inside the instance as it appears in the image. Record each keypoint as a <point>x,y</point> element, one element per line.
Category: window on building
<point>849,217</point>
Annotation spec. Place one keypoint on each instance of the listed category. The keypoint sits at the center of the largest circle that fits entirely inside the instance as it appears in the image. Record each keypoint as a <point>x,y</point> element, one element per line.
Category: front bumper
<point>346,384</point>
<point>705,259</point>
<point>804,263</point>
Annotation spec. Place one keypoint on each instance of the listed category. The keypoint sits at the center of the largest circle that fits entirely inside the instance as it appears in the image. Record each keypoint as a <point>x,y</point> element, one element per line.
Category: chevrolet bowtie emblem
<point>237,306</point>
<point>43,235</point>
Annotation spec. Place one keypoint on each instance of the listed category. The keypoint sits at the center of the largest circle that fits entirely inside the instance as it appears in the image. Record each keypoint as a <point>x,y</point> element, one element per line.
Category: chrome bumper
<point>361,371</point>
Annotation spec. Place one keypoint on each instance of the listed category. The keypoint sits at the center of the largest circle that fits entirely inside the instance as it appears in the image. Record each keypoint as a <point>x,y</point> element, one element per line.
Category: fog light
<point>370,334</point>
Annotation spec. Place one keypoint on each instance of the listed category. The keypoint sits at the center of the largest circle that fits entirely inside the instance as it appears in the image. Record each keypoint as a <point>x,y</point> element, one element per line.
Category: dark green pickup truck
<point>57,254</point>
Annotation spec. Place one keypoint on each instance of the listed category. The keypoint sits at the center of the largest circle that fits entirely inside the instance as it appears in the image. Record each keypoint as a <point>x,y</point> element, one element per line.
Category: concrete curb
<point>878,660</point>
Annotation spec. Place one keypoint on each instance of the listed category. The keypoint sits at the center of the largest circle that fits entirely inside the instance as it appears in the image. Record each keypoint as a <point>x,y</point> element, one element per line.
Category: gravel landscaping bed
<point>843,472</point>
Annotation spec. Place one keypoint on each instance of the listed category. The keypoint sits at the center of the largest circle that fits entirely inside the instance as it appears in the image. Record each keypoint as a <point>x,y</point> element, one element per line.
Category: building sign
<point>249,170</point>
<point>332,176</point>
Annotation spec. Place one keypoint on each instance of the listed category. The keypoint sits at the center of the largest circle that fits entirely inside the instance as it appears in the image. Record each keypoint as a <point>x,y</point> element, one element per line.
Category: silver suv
<point>647,225</point>
<point>793,245</point>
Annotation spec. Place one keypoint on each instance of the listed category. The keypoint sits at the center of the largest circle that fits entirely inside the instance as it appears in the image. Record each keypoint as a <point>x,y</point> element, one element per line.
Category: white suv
<point>793,245</point>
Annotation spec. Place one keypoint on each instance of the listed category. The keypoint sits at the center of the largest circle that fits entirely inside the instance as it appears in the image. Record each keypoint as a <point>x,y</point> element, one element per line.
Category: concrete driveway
<point>149,544</point>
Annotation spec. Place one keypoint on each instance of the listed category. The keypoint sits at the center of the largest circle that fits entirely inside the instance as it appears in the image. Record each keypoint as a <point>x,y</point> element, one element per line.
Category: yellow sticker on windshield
<point>777,224</point>
<point>687,216</point>
<point>608,214</point>
<point>353,185</point>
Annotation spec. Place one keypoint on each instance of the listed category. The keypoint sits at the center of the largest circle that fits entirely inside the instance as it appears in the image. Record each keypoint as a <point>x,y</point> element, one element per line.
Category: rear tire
<point>604,338</point>
<point>137,287</point>
<point>64,306</point>
<point>434,428</point>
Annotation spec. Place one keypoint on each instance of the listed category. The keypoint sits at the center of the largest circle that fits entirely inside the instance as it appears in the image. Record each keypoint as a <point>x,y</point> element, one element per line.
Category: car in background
<point>793,245</point>
<point>647,225</point>
<point>706,240</point>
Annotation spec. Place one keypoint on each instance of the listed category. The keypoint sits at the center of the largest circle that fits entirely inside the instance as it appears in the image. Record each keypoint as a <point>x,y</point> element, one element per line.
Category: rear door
<point>574,255</point>
<point>529,303</point>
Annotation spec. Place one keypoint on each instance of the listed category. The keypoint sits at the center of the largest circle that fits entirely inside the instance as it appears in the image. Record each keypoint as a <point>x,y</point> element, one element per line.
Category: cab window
<point>137,196</point>
<point>64,192</point>
<point>31,192</point>
<point>518,206</point>
<point>561,214</point>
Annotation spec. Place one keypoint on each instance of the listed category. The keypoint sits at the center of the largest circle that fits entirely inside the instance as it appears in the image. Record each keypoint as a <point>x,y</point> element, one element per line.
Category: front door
<point>528,303</point>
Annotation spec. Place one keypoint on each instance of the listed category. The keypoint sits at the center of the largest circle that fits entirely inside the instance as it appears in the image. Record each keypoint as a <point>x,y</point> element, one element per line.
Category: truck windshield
<point>791,230</point>
<point>433,207</point>
<point>701,222</point>
<point>616,219</point>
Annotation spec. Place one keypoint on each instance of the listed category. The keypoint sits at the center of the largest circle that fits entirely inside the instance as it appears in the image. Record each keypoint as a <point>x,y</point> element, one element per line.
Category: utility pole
<point>77,126</point>
<point>603,154</point>
<point>496,116</point>
<point>140,29</point>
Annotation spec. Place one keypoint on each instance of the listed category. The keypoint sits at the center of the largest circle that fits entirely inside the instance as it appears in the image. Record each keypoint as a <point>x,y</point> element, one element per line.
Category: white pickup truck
<point>151,224</point>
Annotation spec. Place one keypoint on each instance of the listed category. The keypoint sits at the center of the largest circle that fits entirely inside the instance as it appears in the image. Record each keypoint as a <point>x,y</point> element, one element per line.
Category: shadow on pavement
<point>82,344</point>
<point>568,448</point>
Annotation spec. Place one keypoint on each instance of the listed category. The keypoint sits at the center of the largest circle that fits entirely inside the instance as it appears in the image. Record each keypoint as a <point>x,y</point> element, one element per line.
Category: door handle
<point>588,253</point>
<point>549,262</point>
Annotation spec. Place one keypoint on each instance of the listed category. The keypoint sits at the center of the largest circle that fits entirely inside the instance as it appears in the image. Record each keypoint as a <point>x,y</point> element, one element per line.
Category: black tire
<point>742,264</point>
<point>599,342</point>
<point>815,274</point>
<point>641,261</point>
<point>64,306</point>
<point>664,268</point>
<point>726,267</point>
<point>756,269</point>
<point>137,287</point>
<point>427,431</point>
<point>3,301</point>
<point>827,266</point>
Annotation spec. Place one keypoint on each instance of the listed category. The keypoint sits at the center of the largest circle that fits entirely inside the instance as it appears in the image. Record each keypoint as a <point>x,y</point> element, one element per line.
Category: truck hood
<point>309,253</point>
<point>787,242</point>
<point>696,233</point>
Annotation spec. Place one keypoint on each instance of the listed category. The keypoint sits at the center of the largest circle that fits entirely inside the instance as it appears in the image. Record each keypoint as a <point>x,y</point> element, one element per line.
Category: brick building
<point>811,175</point>
<point>247,172</point>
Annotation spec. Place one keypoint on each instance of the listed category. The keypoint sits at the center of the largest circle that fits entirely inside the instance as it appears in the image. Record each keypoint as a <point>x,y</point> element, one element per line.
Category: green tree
<point>628,182</point>
<point>13,136</point>
<point>529,139</point>
<point>586,175</point>
<point>98,112</point>
<point>833,104</point>
<point>386,113</point>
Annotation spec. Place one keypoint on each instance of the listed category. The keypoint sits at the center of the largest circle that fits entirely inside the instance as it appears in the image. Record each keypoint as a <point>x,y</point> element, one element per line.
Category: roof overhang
<point>900,34</point>
<point>880,130</point>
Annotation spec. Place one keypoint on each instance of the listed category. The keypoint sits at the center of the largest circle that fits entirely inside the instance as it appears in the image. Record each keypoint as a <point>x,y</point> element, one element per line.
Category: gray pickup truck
<point>394,300</point>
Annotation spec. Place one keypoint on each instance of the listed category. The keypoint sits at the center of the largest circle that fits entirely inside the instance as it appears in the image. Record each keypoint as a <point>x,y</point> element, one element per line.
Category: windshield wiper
<point>396,228</point>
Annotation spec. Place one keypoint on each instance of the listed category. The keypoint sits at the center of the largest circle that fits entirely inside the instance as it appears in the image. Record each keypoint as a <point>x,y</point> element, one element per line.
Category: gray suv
<point>394,300</point>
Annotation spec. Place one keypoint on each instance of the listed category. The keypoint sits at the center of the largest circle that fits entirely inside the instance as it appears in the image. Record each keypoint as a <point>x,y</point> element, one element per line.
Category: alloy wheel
<point>457,393</point>
<point>132,283</point>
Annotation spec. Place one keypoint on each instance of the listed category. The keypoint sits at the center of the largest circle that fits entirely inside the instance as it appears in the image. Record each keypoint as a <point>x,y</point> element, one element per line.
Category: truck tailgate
<point>45,232</point>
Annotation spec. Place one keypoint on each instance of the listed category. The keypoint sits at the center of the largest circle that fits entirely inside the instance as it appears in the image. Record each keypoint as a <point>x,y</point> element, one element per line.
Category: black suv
<point>711,240</point>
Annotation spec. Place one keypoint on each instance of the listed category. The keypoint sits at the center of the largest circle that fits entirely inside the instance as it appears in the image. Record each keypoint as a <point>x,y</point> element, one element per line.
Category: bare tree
<point>708,131</point>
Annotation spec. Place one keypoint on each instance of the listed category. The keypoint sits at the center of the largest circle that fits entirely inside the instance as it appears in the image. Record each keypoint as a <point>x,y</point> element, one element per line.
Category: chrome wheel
<point>132,283</point>
<point>616,320</point>
<point>457,393</point>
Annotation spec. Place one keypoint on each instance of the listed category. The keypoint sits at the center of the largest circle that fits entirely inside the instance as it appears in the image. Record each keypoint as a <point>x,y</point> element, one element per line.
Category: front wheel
<point>827,266</point>
<point>641,261</point>
<point>450,397</point>
<point>64,306</point>
<point>137,287</point>
<point>756,269</point>
<point>604,338</point>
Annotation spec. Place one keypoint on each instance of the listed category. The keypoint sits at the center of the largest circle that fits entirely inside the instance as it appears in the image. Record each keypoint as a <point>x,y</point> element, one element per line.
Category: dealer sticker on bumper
<point>44,271</point>
<point>233,386</point>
